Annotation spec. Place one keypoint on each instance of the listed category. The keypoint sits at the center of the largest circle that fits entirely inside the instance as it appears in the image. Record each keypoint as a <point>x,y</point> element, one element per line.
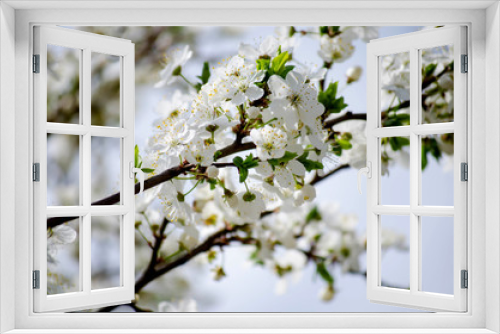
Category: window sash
<point>415,298</point>
<point>86,297</point>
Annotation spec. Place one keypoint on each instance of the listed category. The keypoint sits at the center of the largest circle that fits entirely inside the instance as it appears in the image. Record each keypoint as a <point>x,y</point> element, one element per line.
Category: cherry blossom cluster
<point>253,135</point>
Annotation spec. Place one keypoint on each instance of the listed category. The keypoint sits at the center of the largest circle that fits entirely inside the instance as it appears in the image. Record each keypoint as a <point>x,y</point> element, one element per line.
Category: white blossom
<point>174,61</point>
<point>250,208</point>
<point>353,74</point>
<point>183,305</point>
<point>306,193</point>
<point>212,172</point>
<point>270,142</point>
<point>337,49</point>
<point>57,237</point>
<point>268,48</point>
<point>293,99</point>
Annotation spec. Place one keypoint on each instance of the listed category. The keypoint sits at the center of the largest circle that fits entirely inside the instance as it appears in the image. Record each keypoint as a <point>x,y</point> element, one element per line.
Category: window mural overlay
<point>106,82</point>
<point>105,250</point>
<point>268,136</point>
<point>395,231</point>
<point>437,82</point>
<point>63,170</point>
<point>437,169</point>
<point>63,258</point>
<point>394,170</point>
<point>394,94</point>
<point>63,84</point>
<point>105,167</point>
<point>437,254</point>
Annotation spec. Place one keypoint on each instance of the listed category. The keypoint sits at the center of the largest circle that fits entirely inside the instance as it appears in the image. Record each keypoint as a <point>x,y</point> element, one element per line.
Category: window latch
<point>140,173</point>
<point>365,170</point>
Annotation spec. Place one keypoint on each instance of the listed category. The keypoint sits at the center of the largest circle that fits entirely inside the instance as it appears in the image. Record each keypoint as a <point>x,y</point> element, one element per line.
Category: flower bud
<point>248,197</point>
<point>327,293</point>
<point>212,172</point>
<point>353,74</point>
<point>253,112</point>
<point>306,193</point>
<point>177,71</point>
<point>219,273</point>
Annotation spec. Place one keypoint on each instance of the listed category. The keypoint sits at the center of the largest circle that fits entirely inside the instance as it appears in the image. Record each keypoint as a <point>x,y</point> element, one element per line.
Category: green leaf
<point>323,30</point>
<point>213,183</point>
<point>329,99</point>
<point>285,71</point>
<point>309,165</point>
<point>137,158</point>
<point>313,215</point>
<point>147,170</point>
<point>324,273</point>
<point>250,162</point>
<point>430,145</point>
<point>263,64</point>
<point>429,69</point>
<point>424,158</point>
<point>283,160</point>
<point>205,73</point>
<point>344,144</point>
<point>244,165</point>
<point>397,143</point>
<point>278,63</point>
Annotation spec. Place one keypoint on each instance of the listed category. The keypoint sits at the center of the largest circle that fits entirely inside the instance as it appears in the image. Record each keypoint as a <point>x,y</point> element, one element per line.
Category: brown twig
<point>153,181</point>
<point>215,239</point>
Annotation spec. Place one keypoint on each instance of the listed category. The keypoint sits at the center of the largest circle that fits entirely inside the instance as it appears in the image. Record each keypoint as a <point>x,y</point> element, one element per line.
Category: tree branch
<point>211,241</point>
<point>318,178</point>
<point>348,116</point>
<point>112,199</point>
<point>153,181</point>
<point>382,283</point>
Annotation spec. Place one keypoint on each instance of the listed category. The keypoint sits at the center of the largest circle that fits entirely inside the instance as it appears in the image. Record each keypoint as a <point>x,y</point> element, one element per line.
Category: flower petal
<point>254,93</point>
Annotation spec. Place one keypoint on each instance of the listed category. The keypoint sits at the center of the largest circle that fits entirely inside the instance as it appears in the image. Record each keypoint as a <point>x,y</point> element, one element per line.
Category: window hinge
<point>464,171</point>
<point>36,279</point>
<point>464,279</point>
<point>36,172</point>
<point>465,64</point>
<point>36,63</point>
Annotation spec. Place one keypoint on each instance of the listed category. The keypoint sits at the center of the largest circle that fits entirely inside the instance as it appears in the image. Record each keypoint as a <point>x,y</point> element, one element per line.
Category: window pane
<point>106,167</point>
<point>437,169</point>
<point>437,84</point>
<point>437,254</point>
<point>105,89</point>
<point>395,251</point>
<point>395,173</point>
<point>105,258</point>
<point>394,92</point>
<point>63,170</point>
<point>63,258</point>
<point>63,84</point>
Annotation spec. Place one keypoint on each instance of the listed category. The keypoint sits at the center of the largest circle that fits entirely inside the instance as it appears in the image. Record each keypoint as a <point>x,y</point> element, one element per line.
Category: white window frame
<point>86,44</point>
<point>413,44</point>
<point>483,20</point>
